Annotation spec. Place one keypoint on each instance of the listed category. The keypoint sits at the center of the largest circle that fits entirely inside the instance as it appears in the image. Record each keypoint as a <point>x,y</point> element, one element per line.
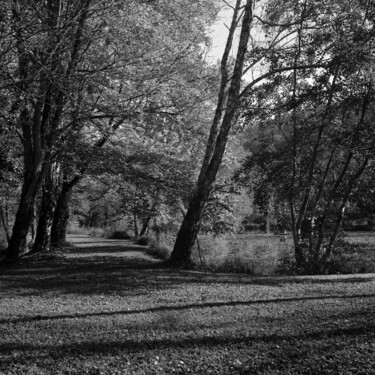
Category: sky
<point>219,33</point>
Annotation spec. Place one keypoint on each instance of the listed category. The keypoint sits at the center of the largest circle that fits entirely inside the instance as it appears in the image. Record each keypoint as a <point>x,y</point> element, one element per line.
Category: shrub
<point>155,249</point>
<point>143,241</point>
<point>74,228</point>
<point>229,266</point>
<point>350,258</point>
<point>119,235</point>
<point>158,251</point>
<point>96,232</point>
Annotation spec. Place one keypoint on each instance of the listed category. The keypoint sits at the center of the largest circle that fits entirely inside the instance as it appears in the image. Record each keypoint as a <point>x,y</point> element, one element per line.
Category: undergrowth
<point>154,248</point>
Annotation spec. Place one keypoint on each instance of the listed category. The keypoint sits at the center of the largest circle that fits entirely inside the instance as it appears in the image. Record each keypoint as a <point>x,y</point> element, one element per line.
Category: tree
<point>153,88</point>
<point>96,66</point>
<point>280,29</point>
<point>48,42</point>
<point>316,142</point>
<point>142,188</point>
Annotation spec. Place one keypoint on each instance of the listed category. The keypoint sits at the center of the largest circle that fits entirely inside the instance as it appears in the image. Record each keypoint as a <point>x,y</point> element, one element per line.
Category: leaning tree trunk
<point>190,226</point>
<point>186,237</point>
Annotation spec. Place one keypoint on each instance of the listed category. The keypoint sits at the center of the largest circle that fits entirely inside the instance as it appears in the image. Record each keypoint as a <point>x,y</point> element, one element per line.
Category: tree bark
<point>42,239</point>
<point>33,175</point>
<point>190,226</point>
<point>24,219</point>
<point>4,222</point>
<point>61,215</point>
<point>145,226</point>
<point>186,237</point>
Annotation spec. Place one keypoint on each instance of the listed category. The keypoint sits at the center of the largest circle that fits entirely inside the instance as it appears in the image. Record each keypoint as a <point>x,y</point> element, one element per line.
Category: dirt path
<point>88,247</point>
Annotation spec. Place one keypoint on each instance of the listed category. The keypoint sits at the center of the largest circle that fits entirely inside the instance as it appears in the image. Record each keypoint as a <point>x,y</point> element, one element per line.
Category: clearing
<point>105,307</point>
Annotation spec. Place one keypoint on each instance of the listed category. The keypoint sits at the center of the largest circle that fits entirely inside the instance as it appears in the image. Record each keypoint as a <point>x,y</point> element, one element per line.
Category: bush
<point>229,266</point>
<point>74,228</point>
<point>143,241</point>
<point>350,258</point>
<point>158,251</point>
<point>119,235</point>
<point>96,232</point>
<point>154,248</point>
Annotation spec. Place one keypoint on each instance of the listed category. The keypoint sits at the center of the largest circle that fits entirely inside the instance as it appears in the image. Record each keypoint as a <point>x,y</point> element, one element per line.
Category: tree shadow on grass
<point>140,345</point>
<point>124,270</point>
<point>118,275</point>
<point>94,276</point>
<point>185,307</point>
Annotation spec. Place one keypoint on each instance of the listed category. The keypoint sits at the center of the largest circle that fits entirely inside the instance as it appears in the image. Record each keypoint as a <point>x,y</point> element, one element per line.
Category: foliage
<point>143,188</point>
<point>143,241</point>
<point>80,71</point>
<point>350,258</point>
<point>157,250</point>
<point>312,141</point>
<point>96,232</point>
<point>119,235</point>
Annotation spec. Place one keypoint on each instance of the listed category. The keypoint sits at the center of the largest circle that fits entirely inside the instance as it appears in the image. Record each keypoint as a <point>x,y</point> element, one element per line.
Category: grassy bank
<point>109,314</point>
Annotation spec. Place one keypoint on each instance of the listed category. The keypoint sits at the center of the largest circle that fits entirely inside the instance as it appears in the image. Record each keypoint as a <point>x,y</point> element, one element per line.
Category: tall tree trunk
<point>61,215</point>
<point>191,223</point>
<point>145,226</point>
<point>135,223</point>
<point>42,239</point>
<point>24,218</point>
<point>33,225</point>
<point>4,221</point>
<point>34,171</point>
<point>190,226</point>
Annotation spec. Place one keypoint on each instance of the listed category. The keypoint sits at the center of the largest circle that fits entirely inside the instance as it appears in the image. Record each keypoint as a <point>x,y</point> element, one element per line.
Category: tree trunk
<point>42,239</point>
<point>33,174</point>
<point>24,218</point>
<point>188,232</point>
<point>33,224</point>
<point>145,226</point>
<point>135,224</point>
<point>190,226</point>
<point>61,216</point>
<point>4,221</point>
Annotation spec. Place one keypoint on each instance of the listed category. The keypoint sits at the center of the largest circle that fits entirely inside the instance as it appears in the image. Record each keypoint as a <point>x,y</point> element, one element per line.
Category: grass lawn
<point>106,308</point>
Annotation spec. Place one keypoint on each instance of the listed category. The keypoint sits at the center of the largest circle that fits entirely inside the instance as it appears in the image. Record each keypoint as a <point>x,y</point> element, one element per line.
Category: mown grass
<point>111,311</point>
